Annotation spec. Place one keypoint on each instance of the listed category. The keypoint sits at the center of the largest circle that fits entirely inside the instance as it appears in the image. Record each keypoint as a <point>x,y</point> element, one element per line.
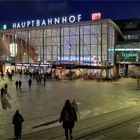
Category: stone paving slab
<point>88,126</point>
<point>43,104</point>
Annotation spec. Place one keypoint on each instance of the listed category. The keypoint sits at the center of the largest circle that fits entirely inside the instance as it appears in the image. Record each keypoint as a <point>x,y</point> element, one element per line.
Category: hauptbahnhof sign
<point>48,21</point>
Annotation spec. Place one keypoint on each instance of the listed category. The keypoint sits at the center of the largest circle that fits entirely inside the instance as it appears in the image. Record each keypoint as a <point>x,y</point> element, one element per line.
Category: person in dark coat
<point>2,98</point>
<point>5,88</point>
<point>2,92</point>
<point>16,83</point>
<point>19,83</point>
<point>17,122</point>
<point>30,83</point>
<point>12,72</point>
<point>68,117</point>
<point>2,75</point>
<point>44,79</point>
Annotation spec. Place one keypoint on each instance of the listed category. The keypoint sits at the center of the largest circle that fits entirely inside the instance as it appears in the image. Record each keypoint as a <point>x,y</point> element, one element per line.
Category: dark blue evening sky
<point>19,10</point>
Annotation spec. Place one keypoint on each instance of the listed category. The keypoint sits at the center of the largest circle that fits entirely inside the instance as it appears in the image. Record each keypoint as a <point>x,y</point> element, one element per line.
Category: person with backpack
<point>74,104</point>
<point>68,117</point>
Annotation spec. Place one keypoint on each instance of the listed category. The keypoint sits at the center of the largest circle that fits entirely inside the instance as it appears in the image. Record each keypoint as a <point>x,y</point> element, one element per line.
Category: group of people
<point>39,79</point>
<point>68,118</point>
<point>68,115</point>
<point>18,84</point>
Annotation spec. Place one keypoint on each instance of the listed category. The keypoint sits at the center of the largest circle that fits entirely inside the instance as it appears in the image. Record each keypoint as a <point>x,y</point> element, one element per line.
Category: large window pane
<point>86,39</point>
<point>87,30</point>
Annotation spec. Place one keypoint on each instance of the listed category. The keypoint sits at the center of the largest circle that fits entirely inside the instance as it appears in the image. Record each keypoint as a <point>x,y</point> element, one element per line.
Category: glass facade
<point>89,44</point>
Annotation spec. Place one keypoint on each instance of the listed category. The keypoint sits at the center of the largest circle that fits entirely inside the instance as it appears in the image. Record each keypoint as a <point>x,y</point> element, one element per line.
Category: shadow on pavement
<point>46,124</point>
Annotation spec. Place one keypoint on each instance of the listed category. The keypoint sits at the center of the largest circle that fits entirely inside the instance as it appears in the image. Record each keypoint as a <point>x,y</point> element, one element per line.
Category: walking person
<point>2,99</point>
<point>40,79</point>
<point>68,117</point>
<point>30,83</point>
<point>10,76</point>
<point>5,89</point>
<point>17,122</point>
<point>16,83</point>
<point>12,72</point>
<point>44,78</point>
<point>2,92</point>
<point>19,84</point>
<point>2,75</point>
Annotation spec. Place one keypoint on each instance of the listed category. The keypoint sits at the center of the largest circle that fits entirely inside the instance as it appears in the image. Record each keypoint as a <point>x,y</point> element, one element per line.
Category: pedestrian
<point>17,122</point>
<point>2,75</point>
<point>5,89</point>
<point>68,117</point>
<point>7,72</point>
<point>16,83</point>
<point>19,84</point>
<point>2,92</point>
<point>44,79</point>
<point>40,79</point>
<point>30,83</point>
<point>10,76</point>
<point>2,99</point>
<point>12,72</point>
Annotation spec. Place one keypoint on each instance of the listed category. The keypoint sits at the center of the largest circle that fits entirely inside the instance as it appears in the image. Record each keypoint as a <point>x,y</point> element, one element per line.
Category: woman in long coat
<point>17,122</point>
<point>68,117</point>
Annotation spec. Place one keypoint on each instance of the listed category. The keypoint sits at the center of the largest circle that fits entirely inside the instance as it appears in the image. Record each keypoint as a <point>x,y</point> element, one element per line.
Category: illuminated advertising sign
<point>59,67</point>
<point>46,65</point>
<point>74,58</point>
<point>48,21</point>
<point>96,16</point>
<point>51,21</point>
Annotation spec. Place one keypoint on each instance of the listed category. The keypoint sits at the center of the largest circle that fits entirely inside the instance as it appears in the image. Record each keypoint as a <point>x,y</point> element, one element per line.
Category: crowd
<point>68,114</point>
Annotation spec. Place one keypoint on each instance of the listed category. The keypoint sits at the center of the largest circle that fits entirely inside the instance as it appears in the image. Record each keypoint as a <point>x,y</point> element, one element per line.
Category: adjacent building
<point>128,50</point>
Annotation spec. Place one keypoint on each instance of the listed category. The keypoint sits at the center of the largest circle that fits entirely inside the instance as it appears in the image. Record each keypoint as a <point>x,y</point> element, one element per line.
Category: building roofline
<point>66,25</point>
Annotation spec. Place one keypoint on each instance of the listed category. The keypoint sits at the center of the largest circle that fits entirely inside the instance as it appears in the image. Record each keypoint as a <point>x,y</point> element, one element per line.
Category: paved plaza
<point>41,105</point>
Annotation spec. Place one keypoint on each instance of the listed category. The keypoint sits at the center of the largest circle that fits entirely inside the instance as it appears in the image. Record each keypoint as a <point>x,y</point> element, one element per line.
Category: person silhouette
<point>16,83</point>
<point>19,83</point>
<point>68,117</point>
<point>17,122</point>
<point>30,83</point>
